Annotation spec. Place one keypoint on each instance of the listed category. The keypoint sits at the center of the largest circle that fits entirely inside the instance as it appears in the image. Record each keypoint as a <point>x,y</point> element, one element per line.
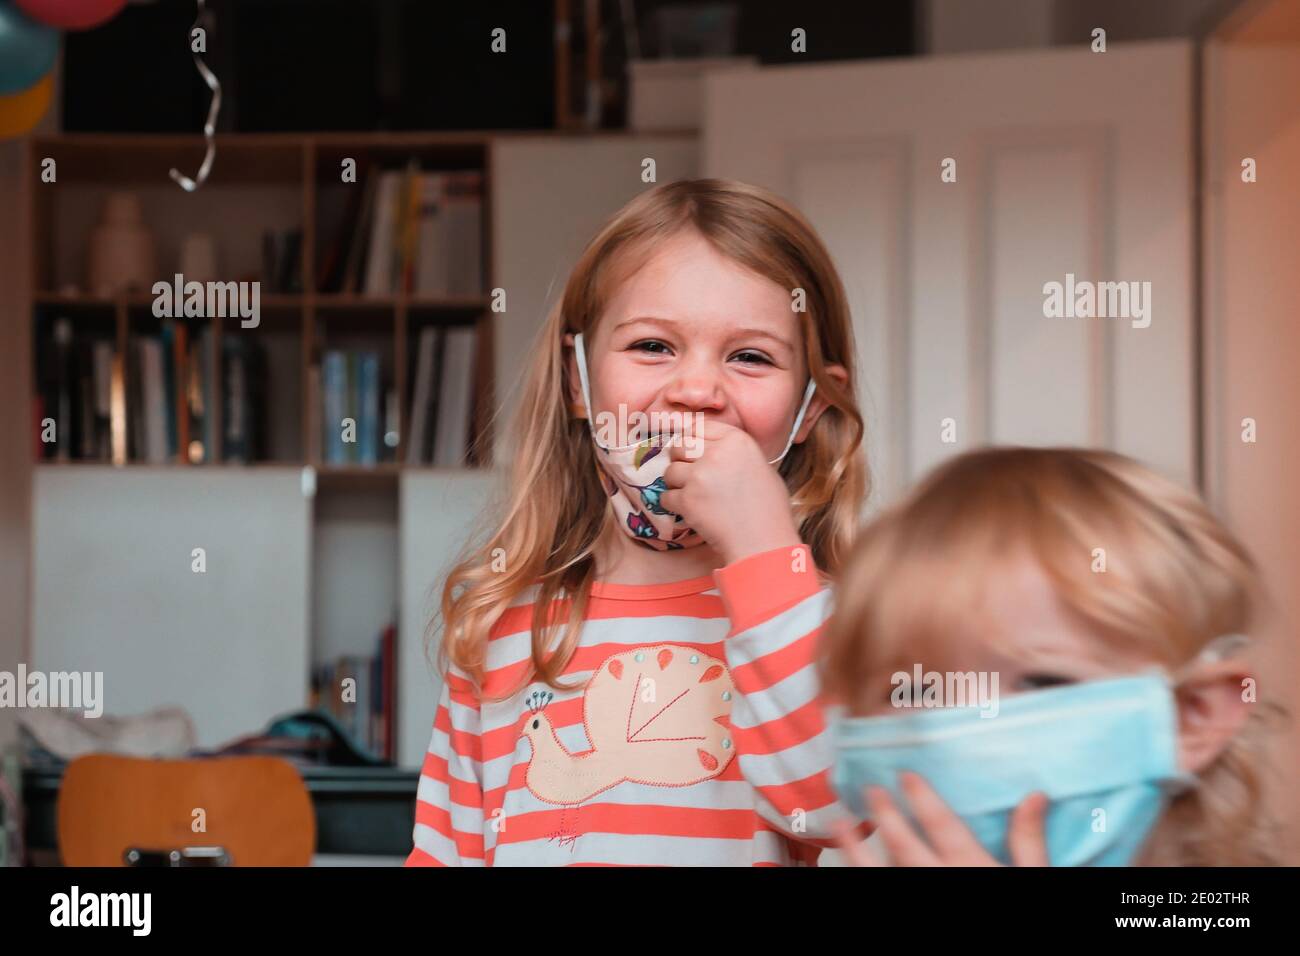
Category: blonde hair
<point>552,508</point>
<point>1175,580</point>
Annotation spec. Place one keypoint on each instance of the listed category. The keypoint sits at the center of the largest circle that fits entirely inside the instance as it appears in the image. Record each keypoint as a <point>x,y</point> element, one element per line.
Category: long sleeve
<point>777,605</point>
<point>449,801</point>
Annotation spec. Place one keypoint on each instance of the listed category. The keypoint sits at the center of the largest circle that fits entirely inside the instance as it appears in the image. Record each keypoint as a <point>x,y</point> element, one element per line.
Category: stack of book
<point>442,397</point>
<point>355,430</point>
<point>410,231</point>
<point>157,405</point>
<point>75,391</point>
<point>170,397</point>
<point>361,693</point>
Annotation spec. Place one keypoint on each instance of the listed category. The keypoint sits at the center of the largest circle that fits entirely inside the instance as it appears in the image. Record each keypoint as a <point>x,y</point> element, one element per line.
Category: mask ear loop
<point>1219,649</point>
<point>582,374</point>
<point>798,420</point>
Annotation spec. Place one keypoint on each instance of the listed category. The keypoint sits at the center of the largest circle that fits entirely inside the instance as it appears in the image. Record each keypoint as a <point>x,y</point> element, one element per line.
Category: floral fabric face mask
<point>633,476</point>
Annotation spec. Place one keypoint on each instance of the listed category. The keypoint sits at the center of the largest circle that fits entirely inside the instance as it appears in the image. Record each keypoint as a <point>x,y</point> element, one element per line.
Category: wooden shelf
<point>301,164</point>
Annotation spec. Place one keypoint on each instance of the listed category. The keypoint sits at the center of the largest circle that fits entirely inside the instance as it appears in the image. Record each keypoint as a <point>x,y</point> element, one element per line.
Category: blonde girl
<point>629,643</point>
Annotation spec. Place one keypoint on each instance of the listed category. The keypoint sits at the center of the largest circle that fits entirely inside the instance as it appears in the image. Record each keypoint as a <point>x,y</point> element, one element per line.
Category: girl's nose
<point>695,389</point>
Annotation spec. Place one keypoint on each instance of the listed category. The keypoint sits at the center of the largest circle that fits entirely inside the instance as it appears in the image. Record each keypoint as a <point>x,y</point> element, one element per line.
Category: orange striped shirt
<point>695,735</point>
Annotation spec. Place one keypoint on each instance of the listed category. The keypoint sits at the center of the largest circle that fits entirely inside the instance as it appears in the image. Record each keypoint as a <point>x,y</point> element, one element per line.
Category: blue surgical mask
<point>1105,752</point>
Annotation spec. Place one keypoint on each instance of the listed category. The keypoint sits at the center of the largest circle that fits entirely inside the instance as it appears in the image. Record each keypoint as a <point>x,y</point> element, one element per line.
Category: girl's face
<point>691,332</point>
<point>1038,642</point>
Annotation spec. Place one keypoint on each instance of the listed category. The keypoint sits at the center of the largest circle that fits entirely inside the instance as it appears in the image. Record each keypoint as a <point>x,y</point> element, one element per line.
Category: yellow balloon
<point>20,111</point>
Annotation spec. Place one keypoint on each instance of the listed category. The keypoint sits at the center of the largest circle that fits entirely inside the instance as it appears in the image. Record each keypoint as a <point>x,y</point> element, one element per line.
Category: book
<point>154,400</point>
<point>334,383</point>
<point>379,260</point>
<point>431,270</point>
<point>455,397</point>
<point>57,382</point>
<point>407,227</point>
<point>353,270</point>
<point>169,385</point>
<point>234,403</point>
<point>352,405</point>
<point>194,450</point>
<point>182,372</point>
<point>339,214</point>
<point>102,361</point>
<point>136,423</point>
<point>421,416</point>
<point>392,424</point>
<point>243,400</point>
<point>84,407</point>
<point>207,359</point>
<point>367,388</point>
<point>463,224</point>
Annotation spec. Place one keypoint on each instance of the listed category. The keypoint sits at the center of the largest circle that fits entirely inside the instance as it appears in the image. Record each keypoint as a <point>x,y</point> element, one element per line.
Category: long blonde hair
<point>1175,580</point>
<point>551,509</point>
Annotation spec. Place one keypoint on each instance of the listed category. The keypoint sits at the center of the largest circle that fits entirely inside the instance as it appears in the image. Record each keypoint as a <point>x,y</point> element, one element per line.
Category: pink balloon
<point>71,14</point>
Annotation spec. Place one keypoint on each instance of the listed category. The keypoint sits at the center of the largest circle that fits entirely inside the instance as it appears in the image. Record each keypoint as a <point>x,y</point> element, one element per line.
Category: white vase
<point>121,255</point>
<point>198,262</point>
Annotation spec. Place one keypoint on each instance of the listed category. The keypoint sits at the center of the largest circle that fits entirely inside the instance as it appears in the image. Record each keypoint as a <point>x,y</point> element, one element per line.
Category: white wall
<point>114,589</point>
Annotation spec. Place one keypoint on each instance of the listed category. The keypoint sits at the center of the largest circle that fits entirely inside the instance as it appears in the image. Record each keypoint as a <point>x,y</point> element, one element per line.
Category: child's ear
<point>577,407</point>
<point>1212,708</point>
<point>818,404</point>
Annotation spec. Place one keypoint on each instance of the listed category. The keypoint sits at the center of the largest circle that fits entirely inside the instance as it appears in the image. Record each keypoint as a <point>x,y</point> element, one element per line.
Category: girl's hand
<point>947,841</point>
<point>721,484</point>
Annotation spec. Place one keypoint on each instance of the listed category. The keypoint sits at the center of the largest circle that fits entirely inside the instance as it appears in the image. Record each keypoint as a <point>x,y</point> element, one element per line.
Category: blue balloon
<point>27,50</point>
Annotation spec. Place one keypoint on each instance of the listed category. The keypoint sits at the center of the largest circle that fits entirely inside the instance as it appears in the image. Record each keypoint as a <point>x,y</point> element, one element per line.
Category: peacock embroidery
<point>657,715</point>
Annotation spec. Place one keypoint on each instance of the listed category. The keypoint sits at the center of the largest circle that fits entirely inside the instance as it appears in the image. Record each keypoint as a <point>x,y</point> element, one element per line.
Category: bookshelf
<point>259,183</point>
<point>335,568</point>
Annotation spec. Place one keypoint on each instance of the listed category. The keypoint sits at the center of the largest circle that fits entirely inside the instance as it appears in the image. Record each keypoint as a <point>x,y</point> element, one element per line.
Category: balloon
<point>72,14</point>
<point>27,50</point>
<point>21,111</point>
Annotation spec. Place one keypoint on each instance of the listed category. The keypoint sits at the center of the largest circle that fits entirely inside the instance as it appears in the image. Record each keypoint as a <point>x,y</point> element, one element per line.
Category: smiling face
<point>694,332</point>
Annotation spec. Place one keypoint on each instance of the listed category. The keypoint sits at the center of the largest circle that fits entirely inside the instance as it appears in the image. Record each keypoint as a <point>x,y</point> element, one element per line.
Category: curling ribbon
<point>209,128</point>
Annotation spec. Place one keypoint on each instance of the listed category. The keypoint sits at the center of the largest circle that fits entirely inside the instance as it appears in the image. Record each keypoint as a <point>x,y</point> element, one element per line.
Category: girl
<point>629,674</point>
<point>1104,607</point>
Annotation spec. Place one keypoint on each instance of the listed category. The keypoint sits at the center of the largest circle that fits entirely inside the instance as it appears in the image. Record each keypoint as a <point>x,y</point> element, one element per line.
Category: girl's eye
<point>641,346</point>
<point>1039,681</point>
<point>754,357</point>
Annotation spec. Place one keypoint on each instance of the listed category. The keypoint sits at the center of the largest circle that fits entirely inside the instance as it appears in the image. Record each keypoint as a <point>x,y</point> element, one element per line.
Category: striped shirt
<point>694,735</point>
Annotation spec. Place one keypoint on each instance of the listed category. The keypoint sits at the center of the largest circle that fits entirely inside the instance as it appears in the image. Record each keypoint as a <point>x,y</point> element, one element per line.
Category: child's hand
<point>948,842</point>
<point>729,493</point>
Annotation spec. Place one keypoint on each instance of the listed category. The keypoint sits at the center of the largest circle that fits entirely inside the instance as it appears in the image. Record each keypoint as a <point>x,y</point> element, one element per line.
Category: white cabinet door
<point>549,198</point>
<point>438,512</point>
<point>116,590</point>
<point>1067,162</point>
